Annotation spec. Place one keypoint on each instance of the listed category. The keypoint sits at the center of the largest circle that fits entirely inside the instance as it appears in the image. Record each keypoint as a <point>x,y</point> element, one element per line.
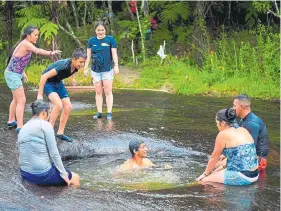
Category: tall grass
<point>244,62</point>
<point>234,66</point>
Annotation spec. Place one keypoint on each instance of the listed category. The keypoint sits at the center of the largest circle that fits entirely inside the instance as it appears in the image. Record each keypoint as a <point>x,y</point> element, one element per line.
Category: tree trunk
<point>90,11</point>
<point>198,36</point>
<point>85,12</point>
<point>142,40</point>
<point>229,13</point>
<point>110,17</point>
<point>54,18</point>
<point>9,24</point>
<point>103,5</point>
<point>133,53</point>
<point>70,33</point>
<point>75,14</point>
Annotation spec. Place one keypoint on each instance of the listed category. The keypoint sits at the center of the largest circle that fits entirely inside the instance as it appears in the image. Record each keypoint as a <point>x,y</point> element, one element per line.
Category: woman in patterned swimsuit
<point>14,73</point>
<point>238,147</point>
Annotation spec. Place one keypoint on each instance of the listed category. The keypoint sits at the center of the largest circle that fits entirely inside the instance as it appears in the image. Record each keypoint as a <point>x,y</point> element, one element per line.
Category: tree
<point>32,15</point>
<point>9,23</point>
<point>199,29</point>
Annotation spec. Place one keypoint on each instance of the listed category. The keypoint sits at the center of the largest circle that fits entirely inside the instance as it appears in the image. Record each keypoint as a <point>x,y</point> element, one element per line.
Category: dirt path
<point>127,75</point>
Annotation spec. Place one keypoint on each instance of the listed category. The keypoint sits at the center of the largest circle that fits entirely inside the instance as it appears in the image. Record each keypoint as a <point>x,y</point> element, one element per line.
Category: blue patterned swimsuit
<point>241,161</point>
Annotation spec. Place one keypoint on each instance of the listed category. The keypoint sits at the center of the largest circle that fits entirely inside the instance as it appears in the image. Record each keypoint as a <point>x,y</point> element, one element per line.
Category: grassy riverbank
<point>244,62</point>
<point>178,76</point>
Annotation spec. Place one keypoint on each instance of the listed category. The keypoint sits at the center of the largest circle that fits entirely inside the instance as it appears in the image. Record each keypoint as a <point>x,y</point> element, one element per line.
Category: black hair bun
<point>230,114</point>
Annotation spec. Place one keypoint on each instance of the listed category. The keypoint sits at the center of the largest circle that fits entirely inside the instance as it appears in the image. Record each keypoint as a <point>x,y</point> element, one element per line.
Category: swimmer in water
<point>139,157</point>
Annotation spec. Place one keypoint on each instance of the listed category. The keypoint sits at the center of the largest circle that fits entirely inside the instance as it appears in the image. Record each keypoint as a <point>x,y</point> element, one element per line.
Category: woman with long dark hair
<point>14,73</point>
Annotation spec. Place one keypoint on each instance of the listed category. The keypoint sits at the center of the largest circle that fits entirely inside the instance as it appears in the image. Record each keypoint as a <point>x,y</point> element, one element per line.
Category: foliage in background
<point>33,15</point>
<point>235,66</point>
<point>238,42</point>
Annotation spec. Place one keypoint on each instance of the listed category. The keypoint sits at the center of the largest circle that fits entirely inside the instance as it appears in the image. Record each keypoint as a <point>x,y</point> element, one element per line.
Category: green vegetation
<point>217,48</point>
<point>233,67</point>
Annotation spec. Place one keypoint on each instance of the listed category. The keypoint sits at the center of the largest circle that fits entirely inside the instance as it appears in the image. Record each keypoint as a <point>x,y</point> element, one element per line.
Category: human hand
<point>25,78</point>
<point>39,97</point>
<point>66,179</point>
<point>55,52</point>
<point>73,82</point>
<point>86,71</point>
<point>116,69</point>
<point>221,157</point>
<point>202,176</point>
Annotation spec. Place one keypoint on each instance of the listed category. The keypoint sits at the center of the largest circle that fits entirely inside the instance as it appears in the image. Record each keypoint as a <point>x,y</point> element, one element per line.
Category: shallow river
<point>178,130</point>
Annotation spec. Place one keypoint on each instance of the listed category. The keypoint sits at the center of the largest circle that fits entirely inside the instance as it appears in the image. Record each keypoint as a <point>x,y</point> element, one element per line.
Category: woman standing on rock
<point>14,73</point>
<point>102,49</point>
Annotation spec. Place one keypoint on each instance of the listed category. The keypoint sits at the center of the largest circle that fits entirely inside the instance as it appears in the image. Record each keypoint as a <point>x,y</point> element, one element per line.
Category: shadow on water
<point>178,130</point>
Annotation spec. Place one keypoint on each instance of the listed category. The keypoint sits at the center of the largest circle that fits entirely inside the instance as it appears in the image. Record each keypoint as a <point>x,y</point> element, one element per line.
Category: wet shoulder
<point>147,162</point>
<point>126,165</point>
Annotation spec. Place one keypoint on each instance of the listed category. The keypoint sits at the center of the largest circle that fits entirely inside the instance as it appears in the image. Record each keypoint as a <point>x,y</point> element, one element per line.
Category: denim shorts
<point>51,177</point>
<point>102,76</point>
<point>57,87</point>
<point>13,80</point>
<point>237,178</point>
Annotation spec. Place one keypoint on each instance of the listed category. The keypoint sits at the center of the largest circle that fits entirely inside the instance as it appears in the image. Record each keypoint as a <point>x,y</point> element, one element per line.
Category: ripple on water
<point>109,152</point>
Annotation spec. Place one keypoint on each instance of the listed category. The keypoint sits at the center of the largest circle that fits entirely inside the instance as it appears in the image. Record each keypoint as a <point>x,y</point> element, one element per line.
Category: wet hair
<point>134,146</point>
<point>244,99</point>
<point>38,106</point>
<point>228,115</point>
<point>79,52</point>
<point>100,23</point>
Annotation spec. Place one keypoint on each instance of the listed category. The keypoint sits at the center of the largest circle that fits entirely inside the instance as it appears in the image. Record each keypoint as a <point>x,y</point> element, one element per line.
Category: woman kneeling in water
<point>40,161</point>
<point>238,147</point>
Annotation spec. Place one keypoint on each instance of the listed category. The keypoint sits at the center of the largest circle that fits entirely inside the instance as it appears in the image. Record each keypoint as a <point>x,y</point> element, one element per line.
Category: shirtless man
<point>139,157</point>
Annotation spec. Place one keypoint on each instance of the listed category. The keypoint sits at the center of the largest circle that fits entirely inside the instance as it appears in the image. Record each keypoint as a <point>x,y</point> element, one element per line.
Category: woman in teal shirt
<point>102,48</point>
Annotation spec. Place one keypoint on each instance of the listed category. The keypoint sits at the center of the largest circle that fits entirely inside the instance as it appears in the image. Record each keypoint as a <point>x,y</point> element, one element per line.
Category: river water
<point>178,130</point>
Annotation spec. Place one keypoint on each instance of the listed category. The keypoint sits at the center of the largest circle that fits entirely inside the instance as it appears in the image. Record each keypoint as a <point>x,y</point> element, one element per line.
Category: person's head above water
<point>137,147</point>
<point>242,105</point>
<point>226,115</point>
<point>39,106</point>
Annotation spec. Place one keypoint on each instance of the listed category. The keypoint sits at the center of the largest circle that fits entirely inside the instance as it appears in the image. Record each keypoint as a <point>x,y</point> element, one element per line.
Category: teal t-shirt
<point>63,68</point>
<point>101,53</point>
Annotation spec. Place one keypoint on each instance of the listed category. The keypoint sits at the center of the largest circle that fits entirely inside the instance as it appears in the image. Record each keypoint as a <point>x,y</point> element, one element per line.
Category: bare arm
<point>114,56</point>
<point>115,60</point>
<point>219,146</point>
<point>43,80</point>
<point>30,47</point>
